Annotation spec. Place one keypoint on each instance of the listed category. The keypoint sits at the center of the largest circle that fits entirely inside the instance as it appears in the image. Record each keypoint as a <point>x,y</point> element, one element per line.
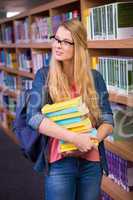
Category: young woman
<point>71,177</point>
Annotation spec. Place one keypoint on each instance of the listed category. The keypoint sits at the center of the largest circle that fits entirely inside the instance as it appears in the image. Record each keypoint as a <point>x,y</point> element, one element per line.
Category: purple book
<point>56,20</point>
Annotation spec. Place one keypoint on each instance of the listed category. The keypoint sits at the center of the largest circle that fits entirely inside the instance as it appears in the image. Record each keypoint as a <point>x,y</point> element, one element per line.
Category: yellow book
<point>94,62</point>
<point>64,147</point>
<point>80,129</point>
<point>85,122</point>
<point>67,147</point>
<point>61,105</point>
<point>67,116</point>
<point>13,60</point>
<point>85,14</point>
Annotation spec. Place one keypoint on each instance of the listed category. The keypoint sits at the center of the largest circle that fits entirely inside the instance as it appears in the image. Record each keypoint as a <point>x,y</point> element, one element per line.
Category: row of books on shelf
<point>120,171</point>
<point>26,83</point>
<point>11,82</point>
<point>7,33</point>
<point>8,103</point>
<point>2,57</point>
<point>42,28</point>
<point>26,58</point>
<point>105,196</point>
<point>8,81</point>
<point>6,120</point>
<point>110,21</point>
<point>22,30</point>
<point>117,72</point>
<point>40,59</point>
<point>8,58</point>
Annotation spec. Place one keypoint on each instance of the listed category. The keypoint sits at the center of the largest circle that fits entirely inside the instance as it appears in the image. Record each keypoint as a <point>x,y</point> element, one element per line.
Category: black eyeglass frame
<point>60,41</point>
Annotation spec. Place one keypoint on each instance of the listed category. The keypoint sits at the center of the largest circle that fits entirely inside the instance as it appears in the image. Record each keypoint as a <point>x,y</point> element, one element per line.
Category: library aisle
<point>17,179</point>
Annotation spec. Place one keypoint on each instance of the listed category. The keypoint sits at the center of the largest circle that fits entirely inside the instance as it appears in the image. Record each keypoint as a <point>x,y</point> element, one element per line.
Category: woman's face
<point>63,46</point>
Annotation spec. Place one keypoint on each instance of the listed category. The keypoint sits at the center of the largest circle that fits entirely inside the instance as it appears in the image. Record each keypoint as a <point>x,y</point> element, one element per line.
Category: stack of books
<point>72,115</point>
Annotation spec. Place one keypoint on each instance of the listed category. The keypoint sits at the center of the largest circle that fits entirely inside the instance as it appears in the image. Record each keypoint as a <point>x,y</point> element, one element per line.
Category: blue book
<point>62,112</point>
<point>68,121</point>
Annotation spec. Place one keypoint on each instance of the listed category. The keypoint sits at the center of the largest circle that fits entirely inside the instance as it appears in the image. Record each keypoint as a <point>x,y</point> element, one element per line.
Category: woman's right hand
<point>82,142</point>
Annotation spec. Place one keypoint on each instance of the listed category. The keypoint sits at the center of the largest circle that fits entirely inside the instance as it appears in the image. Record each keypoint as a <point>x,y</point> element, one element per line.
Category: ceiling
<point>19,5</point>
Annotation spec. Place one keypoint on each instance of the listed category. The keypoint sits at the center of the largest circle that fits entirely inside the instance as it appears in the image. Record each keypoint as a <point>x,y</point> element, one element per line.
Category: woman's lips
<point>58,53</point>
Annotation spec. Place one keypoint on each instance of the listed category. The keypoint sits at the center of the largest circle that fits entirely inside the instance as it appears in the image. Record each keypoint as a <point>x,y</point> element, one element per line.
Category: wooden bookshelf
<point>44,45</point>
<point>8,92</point>
<point>122,148</point>
<point>117,97</point>
<point>2,45</point>
<point>8,112</point>
<point>114,190</point>
<point>26,74</point>
<point>111,44</point>
<point>96,48</point>
<point>17,72</point>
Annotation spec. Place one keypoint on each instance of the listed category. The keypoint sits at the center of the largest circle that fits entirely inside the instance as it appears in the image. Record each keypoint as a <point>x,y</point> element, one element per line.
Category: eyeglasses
<point>63,43</point>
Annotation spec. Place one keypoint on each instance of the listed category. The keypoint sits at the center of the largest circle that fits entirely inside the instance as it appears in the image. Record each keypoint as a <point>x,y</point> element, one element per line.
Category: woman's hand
<point>82,142</point>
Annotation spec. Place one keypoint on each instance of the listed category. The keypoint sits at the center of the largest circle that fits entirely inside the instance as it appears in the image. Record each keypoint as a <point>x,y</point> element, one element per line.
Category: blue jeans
<point>73,179</point>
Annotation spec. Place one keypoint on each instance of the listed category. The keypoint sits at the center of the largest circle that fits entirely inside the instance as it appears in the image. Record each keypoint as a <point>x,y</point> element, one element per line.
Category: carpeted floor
<point>18,181</point>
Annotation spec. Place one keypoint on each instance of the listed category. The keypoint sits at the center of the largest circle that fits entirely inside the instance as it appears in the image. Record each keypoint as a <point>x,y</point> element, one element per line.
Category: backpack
<point>30,141</point>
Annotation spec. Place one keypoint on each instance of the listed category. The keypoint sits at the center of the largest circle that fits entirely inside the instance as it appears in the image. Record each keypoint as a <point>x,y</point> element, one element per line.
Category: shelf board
<point>111,44</point>
<point>114,190</point>
<point>41,45</point>
<point>122,148</point>
<point>8,92</point>
<point>38,9</point>
<point>4,45</point>
<point>17,72</point>
<point>50,5</point>
<point>19,16</point>
<point>121,98</point>
<point>6,111</point>
<point>26,74</point>
<point>9,113</point>
<point>37,45</point>
<point>9,70</point>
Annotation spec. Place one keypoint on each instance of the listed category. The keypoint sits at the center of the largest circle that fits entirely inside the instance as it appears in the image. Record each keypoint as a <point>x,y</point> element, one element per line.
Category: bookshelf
<point>15,43</point>
<point>123,149</point>
<point>121,98</point>
<point>17,72</point>
<point>111,44</point>
<point>115,191</point>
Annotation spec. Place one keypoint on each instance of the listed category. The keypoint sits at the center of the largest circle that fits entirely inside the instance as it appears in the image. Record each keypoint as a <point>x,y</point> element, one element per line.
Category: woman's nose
<point>58,44</point>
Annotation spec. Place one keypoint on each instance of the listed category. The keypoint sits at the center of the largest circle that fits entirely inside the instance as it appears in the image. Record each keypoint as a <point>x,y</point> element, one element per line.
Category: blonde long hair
<point>59,88</point>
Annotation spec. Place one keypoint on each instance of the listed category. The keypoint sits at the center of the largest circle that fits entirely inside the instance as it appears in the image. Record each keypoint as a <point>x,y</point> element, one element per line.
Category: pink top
<point>54,155</point>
